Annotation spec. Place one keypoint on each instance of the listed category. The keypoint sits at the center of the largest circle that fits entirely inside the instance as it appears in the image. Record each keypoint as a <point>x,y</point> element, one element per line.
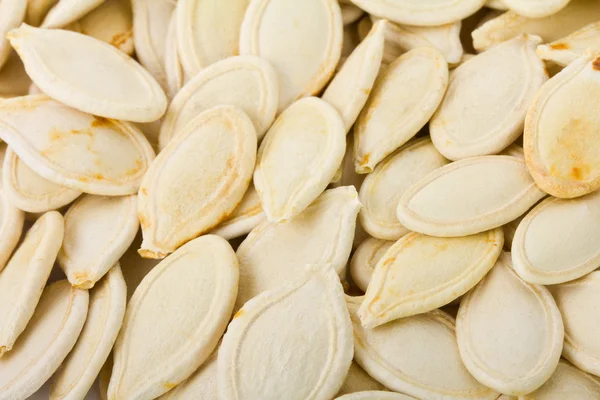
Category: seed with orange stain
<point>559,46</point>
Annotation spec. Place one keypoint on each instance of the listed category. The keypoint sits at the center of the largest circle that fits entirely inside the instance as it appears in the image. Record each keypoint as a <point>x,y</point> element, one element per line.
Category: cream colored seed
<point>447,249</point>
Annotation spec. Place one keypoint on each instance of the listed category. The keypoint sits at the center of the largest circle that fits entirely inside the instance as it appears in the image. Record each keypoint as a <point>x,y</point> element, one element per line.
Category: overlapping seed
<point>352,199</point>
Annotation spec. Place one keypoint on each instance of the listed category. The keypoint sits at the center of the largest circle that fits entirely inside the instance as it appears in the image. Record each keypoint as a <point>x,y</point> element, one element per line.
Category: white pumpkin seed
<point>11,225</point>
<point>561,137</point>
<point>578,303</point>
<point>31,192</point>
<point>256,95</point>
<point>90,75</point>
<point>567,49</point>
<point>399,355</point>
<point>276,29</point>
<point>487,99</point>
<point>201,385</point>
<point>357,380</point>
<point>112,23</point>
<point>246,216</point>
<point>105,316</point>
<point>365,258</point>
<point>176,204</point>
<point>575,15</point>
<point>445,38</point>
<point>173,67</point>
<point>567,382</point>
<point>98,230</point>
<point>275,252</point>
<point>298,158</point>
<point>382,189</point>
<point>77,150</point>
<point>150,25</point>
<point>510,333</point>
<point>430,13</point>
<point>201,278</point>
<point>265,352</point>
<point>558,240</point>
<point>12,13</point>
<point>25,275</point>
<point>351,86</point>
<point>535,8</point>
<point>391,116</point>
<point>68,11</point>
<point>375,395</point>
<point>197,23</point>
<point>420,273</point>
<point>48,339</point>
<point>469,196</point>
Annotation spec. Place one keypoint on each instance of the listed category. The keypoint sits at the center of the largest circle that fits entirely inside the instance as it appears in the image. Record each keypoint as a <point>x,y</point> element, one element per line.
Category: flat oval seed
<point>176,204</point>
<point>276,29</point>
<point>445,38</point>
<point>202,278</point>
<point>246,216</point>
<point>112,23</point>
<point>420,273</point>
<point>375,395</point>
<point>469,196</point>
<point>399,354</point>
<point>25,275</point>
<point>365,258</point>
<point>535,8</point>
<point>567,382</point>
<point>321,234</point>
<point>510,24</point>
<point>68,11</point>
<point>351,86</point>
<point>197,22</point>
<point>256,94</point>
<point>11,225</point>
<point>12,13</point>
<point>299,157</point>
<point>382,189</point>
<point>150,25</point>
<point>567,49</point>
<point>357,380</point>
<point>578,303</point>
<point>558,241</point>
<point>487,99</point>
<point>173,67</point>
<point>561,137</point>
<point>510,333</point>
<point>75,149</point>
<point>412,12</point>
<point>98,230</point>
<point>304,322</point>
<point>201,385</point>
<point>392,116</point>
<point>77,373</point>
<point>30,191</point>
<point>48,339</point>
<point>90,75</point>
